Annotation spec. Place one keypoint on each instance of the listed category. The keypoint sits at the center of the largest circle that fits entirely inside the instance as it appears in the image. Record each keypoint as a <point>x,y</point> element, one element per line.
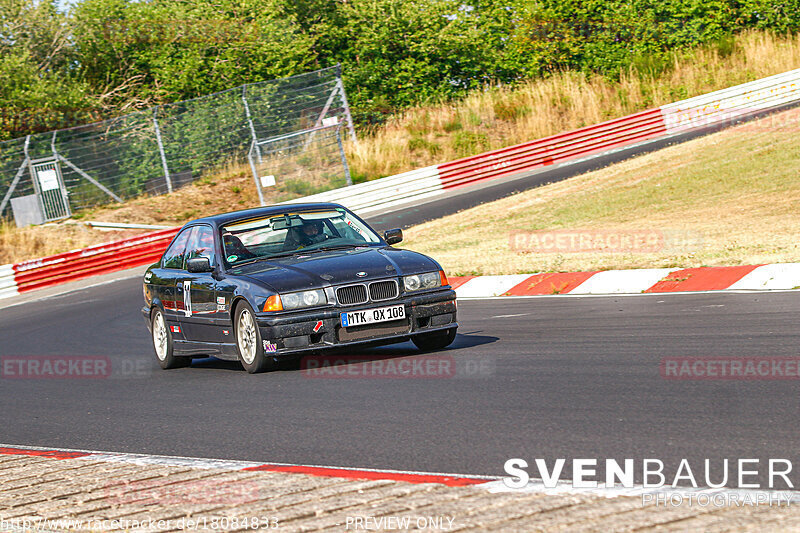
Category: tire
<point>435,341</point>
<point>248,342</point>
<point>162,343</point>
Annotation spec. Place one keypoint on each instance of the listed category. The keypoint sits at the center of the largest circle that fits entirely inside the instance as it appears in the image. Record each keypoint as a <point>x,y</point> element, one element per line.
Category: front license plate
<point>371,316</point>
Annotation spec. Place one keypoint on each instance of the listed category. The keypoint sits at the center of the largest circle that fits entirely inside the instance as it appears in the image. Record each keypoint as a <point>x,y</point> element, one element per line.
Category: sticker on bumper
<point>270,347</point>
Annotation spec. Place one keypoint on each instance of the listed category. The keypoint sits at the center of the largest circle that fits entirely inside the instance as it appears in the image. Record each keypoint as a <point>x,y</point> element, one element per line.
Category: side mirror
<point>197,265</point>
<point>393,236</point>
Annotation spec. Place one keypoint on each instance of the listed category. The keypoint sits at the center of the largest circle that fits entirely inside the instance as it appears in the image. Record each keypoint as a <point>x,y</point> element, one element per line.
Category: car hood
<point>336,267</point>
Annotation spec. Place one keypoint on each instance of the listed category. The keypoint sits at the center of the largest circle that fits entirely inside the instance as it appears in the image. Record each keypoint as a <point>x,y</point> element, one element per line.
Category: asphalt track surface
<point>571,377</point>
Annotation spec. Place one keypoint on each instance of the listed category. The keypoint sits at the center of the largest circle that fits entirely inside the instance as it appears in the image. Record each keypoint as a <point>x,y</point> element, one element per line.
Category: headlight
<point>417,282</point>
<point>297,300</point>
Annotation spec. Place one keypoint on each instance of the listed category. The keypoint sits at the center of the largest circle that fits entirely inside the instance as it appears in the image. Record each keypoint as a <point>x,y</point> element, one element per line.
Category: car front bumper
<point>321,329</point>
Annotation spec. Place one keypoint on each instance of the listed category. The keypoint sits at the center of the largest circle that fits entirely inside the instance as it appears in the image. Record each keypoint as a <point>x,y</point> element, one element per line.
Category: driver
<point>312,232</point>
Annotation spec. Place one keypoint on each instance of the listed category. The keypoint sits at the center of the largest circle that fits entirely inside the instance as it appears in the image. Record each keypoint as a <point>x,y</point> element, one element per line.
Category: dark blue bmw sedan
<point>262,284</point>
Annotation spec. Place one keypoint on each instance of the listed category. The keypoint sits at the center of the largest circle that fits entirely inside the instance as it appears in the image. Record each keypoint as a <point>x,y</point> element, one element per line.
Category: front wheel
<point>248,341</point>
<point>436,340</point>
<point>162,343</point>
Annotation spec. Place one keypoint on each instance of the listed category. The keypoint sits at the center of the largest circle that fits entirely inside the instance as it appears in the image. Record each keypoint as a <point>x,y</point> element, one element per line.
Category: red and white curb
<point>450,480</point>
<point>780,276</point>
<point>492,484</point>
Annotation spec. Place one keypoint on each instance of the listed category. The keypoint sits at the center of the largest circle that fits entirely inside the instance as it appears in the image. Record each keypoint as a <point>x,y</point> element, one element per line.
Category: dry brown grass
<point>731,197</point>
<point>36,241</point>
<point>504,116</point>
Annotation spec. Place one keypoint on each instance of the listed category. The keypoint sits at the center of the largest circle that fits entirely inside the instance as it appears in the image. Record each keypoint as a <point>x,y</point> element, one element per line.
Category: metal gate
<point>50,189</point>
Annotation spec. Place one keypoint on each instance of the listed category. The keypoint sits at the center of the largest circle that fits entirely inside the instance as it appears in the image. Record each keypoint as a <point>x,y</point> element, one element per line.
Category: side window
<point>173,257</point>
<point>201,244</point>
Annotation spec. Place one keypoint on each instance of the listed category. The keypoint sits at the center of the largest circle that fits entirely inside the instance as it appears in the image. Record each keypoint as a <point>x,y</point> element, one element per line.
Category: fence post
<point>64,192</point>
<point>256,177</point>
<point>17,176</point>
<point>348,179</point>
<point>250,122</point>
<point>161,151</point>
<point>345,105</point>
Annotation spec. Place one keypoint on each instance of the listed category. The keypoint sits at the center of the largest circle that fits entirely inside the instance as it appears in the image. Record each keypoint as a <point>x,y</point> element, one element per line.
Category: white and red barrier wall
<point>92,261</point>
<point>713,109</point>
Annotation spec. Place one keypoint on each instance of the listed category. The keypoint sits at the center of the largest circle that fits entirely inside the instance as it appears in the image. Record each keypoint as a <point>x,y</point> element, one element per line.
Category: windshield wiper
<point>339,247</point>
<point>301,251</point>
<point>247,261</point>
<point>262,258</point>
<point>304,251</point>
<point>284,254</point>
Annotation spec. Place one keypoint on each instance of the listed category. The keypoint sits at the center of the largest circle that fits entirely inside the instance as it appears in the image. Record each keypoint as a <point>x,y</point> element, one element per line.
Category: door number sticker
<point>187,298</point>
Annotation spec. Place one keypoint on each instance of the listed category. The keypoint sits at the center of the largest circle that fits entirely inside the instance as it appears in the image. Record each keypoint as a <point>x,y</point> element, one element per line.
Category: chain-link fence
<point>163,148</point>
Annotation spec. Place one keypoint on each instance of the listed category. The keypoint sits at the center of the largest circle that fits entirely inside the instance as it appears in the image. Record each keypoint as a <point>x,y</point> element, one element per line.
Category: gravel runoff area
<point>39,493</point>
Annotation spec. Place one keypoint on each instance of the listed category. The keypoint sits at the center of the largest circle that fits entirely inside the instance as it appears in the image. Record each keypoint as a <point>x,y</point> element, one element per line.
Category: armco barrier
<point>8,285</point>
<point>91,261</point>
<point>383,193</point>
<point>717,108</point>
<point>711,109</point>
<point>576,144</point>
<point>732,103</point>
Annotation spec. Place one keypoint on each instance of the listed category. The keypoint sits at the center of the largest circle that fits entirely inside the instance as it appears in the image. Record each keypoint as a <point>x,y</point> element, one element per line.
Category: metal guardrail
<point>8,285</point>
<point>732,103</point>
<point>92,261</point>
<point>383,193</point>
<point>555,149</point>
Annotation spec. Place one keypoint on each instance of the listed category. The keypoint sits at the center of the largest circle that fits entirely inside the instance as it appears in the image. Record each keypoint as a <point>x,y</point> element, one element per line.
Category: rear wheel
<point>162,343</point>
<point>248,341</point>
<point>436,340</point>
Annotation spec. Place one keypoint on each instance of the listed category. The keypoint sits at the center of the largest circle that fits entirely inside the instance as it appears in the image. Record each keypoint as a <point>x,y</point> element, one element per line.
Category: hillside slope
<point>729,198</point>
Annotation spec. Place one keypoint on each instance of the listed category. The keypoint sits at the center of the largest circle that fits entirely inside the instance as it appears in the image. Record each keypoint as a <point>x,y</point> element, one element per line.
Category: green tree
<point>40,89</point>
<point>137,54</point>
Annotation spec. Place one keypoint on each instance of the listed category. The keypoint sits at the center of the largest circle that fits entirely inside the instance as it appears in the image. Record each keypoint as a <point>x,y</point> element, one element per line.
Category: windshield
<point>287,233</point>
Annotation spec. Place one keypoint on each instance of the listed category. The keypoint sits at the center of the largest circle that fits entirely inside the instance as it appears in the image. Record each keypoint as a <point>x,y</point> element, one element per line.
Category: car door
<point>199,320</point>
<point>169,276</point>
